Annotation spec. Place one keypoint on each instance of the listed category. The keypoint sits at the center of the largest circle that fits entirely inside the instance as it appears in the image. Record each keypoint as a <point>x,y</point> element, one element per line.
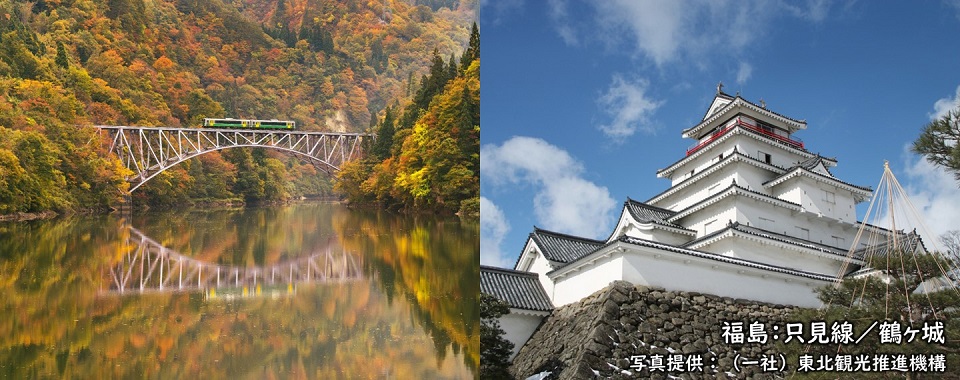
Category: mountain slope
<point>71,63</point>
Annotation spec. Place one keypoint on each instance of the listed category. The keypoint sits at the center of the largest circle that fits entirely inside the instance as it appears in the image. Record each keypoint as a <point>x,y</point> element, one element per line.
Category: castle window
<point>803,233</point>
<point>838,241</point>
<point>829,197</point>
<point>765,157</point>
<point>708,225</point>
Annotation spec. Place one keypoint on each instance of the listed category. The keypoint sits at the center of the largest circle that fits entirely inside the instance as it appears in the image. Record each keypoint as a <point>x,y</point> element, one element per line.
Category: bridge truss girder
<point>149,151</point>
<point>152,267</point>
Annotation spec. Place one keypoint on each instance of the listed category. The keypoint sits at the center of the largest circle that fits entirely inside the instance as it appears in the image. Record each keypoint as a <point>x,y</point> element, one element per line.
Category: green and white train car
<point>248,124</point>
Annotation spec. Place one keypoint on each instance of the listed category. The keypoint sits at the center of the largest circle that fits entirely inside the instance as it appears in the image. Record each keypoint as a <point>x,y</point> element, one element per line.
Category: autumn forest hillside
<point>328,65</point>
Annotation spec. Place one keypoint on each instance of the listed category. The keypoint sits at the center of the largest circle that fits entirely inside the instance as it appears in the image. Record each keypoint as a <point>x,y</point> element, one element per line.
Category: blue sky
<point>582,101</point>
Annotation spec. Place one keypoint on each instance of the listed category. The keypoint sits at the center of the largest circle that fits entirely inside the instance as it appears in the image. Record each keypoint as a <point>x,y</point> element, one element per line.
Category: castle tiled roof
<point>726,259</point>
<point>801,168</point>
<point>734,190</point>
<point>735,156</point>
<point>907,243</point>
<point>737,102</point>
<point>731,132</point>
<point>645,213</point>
<point>520,290</point>
<point>736,226</point>
<point>812,162</point>
<point>563,248</point>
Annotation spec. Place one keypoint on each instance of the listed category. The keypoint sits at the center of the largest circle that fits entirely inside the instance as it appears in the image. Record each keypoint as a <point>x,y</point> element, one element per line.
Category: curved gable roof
<point>563,248</point>
<point>645,213</point>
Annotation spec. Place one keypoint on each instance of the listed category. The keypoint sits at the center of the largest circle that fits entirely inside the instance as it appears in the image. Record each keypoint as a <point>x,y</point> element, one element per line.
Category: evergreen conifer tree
<point>61,59</point>
<point>938,142</point>
<point>473,49</point>
<point>452,68</point>
<point>384,142</point>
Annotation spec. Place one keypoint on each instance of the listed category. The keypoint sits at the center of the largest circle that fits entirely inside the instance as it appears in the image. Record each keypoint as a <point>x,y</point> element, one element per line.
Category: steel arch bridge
<point>153,268</point>
<point>149,151</point>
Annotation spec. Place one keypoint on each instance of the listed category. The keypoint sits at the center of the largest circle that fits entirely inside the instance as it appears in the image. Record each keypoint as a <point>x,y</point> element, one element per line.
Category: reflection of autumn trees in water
<point>54,325</point>
<point>435,264</point>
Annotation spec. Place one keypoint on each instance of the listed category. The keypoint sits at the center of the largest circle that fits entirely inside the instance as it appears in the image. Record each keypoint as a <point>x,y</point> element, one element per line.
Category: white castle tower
<point>750,213</point>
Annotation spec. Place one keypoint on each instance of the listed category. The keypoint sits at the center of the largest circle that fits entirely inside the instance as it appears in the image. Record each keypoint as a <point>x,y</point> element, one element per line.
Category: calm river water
<point>312,291</point>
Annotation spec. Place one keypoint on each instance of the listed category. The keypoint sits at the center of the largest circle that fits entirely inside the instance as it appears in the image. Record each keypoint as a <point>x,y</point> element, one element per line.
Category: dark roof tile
<point>520,290</point>
<point>563,248</point>
<point>906,243</point>
<point>645,213</point>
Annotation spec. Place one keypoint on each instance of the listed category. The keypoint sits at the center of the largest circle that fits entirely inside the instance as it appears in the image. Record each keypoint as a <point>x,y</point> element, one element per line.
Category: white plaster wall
<point>711,155</point>
<point>824,220</point>
<point>779,155</point>
<point>671,272</point>
<point>752,178</point>
<point>712,184</point>
<point>575,285</point>
<point>667,237</point>
<point>809,193</point>
<point>775,255</point>
<point>706,157</point>
<point>713,218</point>
<point>840,208</point>
<point>768,216</point>
<point>788,193</point>
<point>518,327</point>
<point>541,266</point>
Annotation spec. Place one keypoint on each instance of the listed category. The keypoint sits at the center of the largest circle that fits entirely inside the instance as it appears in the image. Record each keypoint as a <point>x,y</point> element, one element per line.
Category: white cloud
<point>934,194</point>
<point>560,17</point>
<point>933,191</point>
<point>574,205</point>
<point>525,160</point>
<point>564,200</point>
<point>942,106</point>
<point>500,9</point>
<point>743,74</point>
<point>955,4</point>
<point>815,11</point>
<point>668,31</point>
<point>656,27</point>
<point>629,107</point>
<point>493,227</point>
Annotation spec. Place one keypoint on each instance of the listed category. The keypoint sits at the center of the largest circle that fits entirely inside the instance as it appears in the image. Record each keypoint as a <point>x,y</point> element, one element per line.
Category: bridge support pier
<point>125,205</point>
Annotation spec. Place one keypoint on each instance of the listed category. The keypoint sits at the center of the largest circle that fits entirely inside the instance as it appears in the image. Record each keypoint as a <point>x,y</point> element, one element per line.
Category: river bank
<point>26,216</point>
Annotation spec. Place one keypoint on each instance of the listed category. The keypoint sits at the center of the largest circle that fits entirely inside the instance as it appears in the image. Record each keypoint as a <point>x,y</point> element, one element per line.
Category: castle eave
<point>742,105</point>
<point>737,130</point>
<point>627,244</point>
<point>803,172</point>
<point>732,158</point>
<point>734,190</point>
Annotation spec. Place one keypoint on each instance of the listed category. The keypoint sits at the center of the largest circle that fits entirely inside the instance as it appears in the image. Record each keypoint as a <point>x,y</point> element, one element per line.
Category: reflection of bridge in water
<point>152,268</point>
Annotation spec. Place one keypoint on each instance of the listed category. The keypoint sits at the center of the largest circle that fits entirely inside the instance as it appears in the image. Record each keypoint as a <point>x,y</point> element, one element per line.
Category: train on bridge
<point>249,124</point>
